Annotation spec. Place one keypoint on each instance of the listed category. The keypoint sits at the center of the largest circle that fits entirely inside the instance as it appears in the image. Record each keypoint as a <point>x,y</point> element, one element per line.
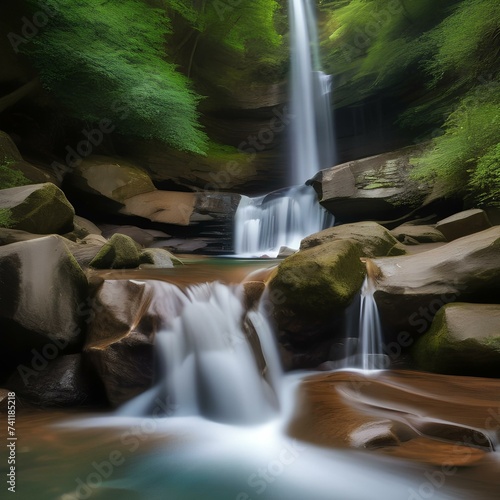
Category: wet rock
<point>285,252</point>
<point>464,223</point>
<point>374,239</point>
<point>120,340</point>
<point>411,289</point>
<point>417,234</point>
<point>252,292</point>
<point>120,252</point>
<point>37,208</point>
<point>63,382</point>
<point>464,339</point>
<point>43,290</point>
<point>87,225</point>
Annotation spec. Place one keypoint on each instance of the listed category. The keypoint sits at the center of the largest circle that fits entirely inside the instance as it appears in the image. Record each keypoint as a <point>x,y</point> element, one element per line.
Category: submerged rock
<point>374,239</point>
<point>38,209</point>
<point>464,223</point>
<point>464,339</point>
<point>120,339</point>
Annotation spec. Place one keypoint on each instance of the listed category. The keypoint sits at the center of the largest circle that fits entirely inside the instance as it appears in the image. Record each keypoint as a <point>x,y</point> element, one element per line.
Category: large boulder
<point>463,224</point>
<point>308,290</point>
<point>63,382</point>
<point>464,339</point>
<point>411,289</point>
<point>120,339</point>
<point>8,236</point>
<point>374,239</point>
<point>374,188</point>
<point>37,208</point>
<point>86,250</point>
<point>42,297</point>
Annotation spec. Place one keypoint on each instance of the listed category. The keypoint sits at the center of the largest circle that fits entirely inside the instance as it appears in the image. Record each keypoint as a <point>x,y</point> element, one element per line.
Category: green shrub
<point>5,217</point>
<point>10,178</point>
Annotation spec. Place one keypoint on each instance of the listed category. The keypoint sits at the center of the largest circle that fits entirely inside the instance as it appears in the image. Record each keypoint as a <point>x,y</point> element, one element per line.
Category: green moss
<point>321,279</point>
<point>10,178</point>
<point>5,218</point>
<point>120,252</point>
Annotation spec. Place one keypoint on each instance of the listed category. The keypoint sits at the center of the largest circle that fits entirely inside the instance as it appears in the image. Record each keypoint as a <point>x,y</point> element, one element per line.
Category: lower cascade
<point>266,224</point>
<point>213,361</point>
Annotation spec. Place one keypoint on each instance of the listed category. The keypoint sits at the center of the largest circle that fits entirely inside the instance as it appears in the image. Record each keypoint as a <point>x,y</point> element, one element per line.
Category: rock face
<point>375,188</point>
<point>411,289</point>
<point>374,239</point>
<point>120,339</point>
<point>464,339</point>
<point>42,290</point>
<point>64,382</point>
<point>410,234</point>
<point>38,209</point>
<point>463,224</point>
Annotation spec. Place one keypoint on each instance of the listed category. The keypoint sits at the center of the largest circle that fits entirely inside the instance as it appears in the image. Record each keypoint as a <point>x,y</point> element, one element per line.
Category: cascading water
<point>264,225</point>
<point>370,346</point>
<point>208,364</point>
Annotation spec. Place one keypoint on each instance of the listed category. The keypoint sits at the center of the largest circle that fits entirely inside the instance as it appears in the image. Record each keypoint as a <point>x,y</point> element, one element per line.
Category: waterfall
<point>263,225</point>
<point>312,135</point>
<point>208,362</point>
<point>370,346</point>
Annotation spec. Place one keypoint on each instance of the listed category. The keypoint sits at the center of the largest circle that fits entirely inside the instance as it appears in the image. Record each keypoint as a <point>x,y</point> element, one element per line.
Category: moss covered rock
<point>120,252</point>
<point>374,239</point>
<point>464,339</point>
<point>157,257</point>
<point>37,208</point>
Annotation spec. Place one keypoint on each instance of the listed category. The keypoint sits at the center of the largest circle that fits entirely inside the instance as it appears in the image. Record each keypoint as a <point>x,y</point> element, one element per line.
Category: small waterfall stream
<point>207,361</point>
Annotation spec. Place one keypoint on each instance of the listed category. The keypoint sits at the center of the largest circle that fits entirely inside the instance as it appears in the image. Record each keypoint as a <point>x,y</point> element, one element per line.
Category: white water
<point>263,225</point>
<point>312,137</point>
<point>207,364</point>
<point>370,347</point>
<point>266,224</point>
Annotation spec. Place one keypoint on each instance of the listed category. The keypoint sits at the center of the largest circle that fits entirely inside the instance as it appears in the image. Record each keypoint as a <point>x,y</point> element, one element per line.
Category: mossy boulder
<point>120,252</point>
<point>37,208</point>
<point>374,239</point>
<point>309,291</point>
<point>464,339</point>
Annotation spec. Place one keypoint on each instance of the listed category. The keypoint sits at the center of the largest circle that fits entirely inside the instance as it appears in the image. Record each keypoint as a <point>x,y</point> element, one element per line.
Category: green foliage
<point>5,217</point>
<point>105,60</point>
<point>469,149</point>
<point>10,178</point>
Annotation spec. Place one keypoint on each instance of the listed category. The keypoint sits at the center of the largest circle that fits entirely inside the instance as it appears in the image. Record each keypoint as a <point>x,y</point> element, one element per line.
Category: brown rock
<point>463,224</point>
